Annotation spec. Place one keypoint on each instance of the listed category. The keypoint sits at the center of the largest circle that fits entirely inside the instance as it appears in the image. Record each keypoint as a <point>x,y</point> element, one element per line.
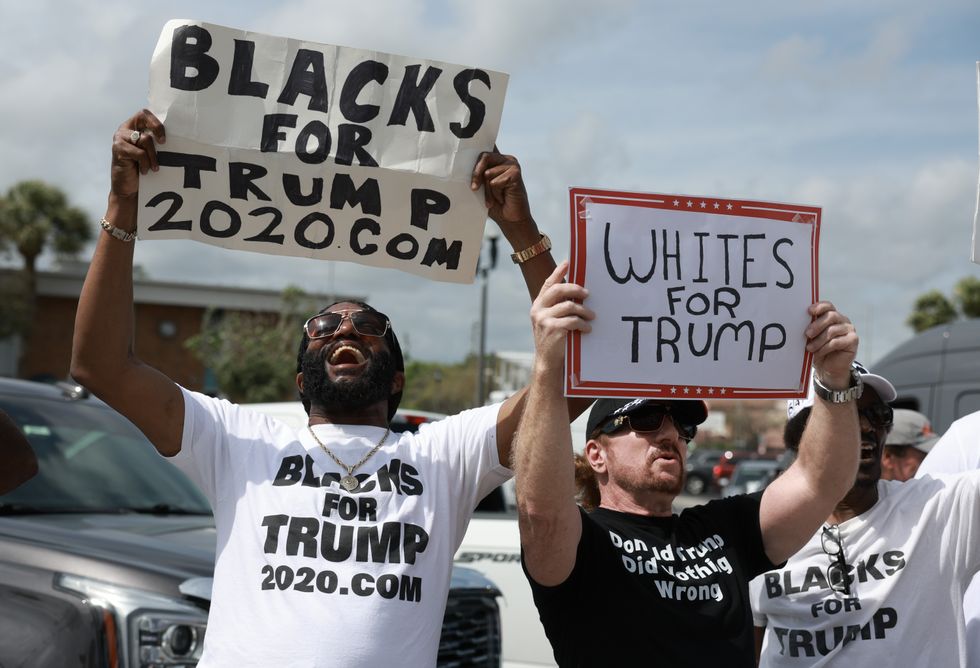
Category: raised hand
<point>833,341</point>
<point>134,152</point>
<point>557,311</point>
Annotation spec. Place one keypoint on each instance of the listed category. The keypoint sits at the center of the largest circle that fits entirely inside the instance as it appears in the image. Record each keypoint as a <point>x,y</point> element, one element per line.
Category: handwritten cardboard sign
<point>286,147</point>
<point>695,297</point>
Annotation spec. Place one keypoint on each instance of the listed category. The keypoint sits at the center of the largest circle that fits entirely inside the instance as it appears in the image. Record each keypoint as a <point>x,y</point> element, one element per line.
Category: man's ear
<point>397,383</point>
<point>299,382</point>
<point>888,458</point>
<point>595,455</point>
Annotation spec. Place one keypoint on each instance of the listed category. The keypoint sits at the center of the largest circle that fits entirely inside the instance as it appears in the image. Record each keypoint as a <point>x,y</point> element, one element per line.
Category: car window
<point>92,459</point>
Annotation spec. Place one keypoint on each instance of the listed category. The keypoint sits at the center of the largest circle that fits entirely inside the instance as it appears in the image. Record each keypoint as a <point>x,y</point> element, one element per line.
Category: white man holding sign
<point>335,542</point>
<point>630,582</point>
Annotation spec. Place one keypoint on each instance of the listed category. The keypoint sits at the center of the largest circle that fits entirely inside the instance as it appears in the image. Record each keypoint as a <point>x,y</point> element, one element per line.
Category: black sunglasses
<point>365,323</point>
<point>832,546</point>
<point>878,414</point>
<point>647,420</point>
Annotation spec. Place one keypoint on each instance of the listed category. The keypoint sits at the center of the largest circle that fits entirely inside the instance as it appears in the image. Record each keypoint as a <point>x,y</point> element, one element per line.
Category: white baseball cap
<point>912,428</point>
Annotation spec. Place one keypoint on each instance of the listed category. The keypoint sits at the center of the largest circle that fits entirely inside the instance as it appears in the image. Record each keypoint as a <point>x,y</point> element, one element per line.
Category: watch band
<point>852,393</point>
<point>116,232</point>
<point>543,244</point>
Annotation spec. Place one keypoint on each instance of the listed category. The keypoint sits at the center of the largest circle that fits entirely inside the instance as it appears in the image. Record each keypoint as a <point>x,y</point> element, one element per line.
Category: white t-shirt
<point>958,451</point>
<point>910,558</point>
<point>310,575</point>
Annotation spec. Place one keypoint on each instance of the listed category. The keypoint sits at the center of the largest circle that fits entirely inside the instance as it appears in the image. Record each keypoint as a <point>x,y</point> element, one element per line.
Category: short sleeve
<point>465,448</point>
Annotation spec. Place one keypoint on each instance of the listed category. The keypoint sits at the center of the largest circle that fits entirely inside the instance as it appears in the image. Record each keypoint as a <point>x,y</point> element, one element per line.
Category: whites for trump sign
<point>292,148</point>
<point>695,297</point>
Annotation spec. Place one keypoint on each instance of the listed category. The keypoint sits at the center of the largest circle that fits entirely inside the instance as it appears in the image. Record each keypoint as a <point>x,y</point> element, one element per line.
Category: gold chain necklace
<point>349,482</point>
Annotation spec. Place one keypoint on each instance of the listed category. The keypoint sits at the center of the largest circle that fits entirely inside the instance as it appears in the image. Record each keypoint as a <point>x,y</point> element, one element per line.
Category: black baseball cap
<point>692,411</point>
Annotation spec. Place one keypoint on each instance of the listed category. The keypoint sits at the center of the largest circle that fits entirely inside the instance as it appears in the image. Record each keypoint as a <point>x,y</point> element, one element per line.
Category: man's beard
<point>373,385</point>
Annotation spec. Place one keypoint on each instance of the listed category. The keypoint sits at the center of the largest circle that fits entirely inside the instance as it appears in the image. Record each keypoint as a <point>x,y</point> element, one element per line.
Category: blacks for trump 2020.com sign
<point>286,147</point>
<point>695,297</point>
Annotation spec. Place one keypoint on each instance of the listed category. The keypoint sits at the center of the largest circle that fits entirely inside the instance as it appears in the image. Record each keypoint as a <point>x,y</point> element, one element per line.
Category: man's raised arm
<point>797,502</point>
<point>543,463</point>
<point>508,206</point>
<point>102,348</point>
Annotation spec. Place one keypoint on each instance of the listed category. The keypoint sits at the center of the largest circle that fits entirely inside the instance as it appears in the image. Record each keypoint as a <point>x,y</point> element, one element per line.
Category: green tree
<point>34,216</point>
<point>929,310</point>
<point>443,388</point>
<point>253,355</point>
<point>966,293</point>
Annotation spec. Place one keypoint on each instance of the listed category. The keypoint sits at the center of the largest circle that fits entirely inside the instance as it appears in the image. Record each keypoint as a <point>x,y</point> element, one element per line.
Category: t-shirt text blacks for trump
<point>292,148</point>
<point>695,297</point>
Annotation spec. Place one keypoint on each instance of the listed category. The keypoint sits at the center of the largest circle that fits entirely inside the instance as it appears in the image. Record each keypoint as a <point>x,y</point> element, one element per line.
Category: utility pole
<point>483,270</point>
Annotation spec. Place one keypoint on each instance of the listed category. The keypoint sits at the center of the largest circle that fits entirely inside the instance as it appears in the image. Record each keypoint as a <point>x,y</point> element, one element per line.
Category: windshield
<point>91,459</point>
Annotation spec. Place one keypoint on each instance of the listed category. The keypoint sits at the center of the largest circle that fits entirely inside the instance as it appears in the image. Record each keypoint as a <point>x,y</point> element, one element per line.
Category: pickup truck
<point>107,554</point>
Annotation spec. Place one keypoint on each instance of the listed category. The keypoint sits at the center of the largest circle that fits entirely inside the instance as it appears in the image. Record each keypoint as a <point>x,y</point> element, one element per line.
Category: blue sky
<point>868,110</point>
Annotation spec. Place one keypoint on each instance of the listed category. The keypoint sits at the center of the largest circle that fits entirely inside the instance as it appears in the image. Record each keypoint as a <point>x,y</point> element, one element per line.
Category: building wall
<point>47,351</point>
<point>161,334</point>
<point>166,315</point>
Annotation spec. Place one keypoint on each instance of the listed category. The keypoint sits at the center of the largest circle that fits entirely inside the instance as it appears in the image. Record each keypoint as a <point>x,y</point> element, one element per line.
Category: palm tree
<point>930,309</point>
<point>33,217</point>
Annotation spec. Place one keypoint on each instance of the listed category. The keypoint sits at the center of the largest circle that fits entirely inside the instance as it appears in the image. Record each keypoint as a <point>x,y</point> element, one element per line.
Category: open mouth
<point>346,355</point>
<point>869,453</point>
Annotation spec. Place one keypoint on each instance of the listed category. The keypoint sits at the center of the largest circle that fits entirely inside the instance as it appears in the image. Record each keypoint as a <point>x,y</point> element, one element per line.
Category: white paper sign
<point>695,297</point>
<point>293,148</point>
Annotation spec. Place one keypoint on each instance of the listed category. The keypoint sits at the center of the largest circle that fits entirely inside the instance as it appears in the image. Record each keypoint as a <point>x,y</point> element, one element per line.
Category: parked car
<point>699,474</point>
<point>752,475</point>
<point>725,467</point>
<point>107,554</point>
<point>492,546</point>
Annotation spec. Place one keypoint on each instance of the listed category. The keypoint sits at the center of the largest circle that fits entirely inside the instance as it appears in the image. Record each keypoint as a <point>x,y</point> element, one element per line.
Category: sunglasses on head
<point>878,414</point>
<point>647,420</point>
<point>365,323</point>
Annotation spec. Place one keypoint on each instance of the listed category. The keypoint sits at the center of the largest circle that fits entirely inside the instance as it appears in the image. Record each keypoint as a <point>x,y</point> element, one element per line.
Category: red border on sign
<point>790,213</point>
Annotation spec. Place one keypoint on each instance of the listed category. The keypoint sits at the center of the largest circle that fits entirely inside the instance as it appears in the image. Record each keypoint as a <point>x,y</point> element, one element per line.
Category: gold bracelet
<point>116,232</point>
<point>543,244</point>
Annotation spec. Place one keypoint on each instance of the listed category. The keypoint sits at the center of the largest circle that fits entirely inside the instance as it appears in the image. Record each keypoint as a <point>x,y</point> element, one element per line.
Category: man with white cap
<point>632,583</point>
<point>885,575</point>
<point>908,443</point>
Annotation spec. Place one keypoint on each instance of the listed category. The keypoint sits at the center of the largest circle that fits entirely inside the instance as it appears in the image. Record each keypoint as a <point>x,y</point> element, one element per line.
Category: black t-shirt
<point>659,591</point>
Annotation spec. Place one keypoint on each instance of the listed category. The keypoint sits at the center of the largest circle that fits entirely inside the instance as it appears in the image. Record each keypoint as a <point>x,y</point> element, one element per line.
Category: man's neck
<point>375,415</point>
<point>858,500</point>
<point>650,504</point>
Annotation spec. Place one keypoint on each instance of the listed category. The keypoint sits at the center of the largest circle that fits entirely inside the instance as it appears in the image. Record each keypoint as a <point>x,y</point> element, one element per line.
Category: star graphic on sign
<point>729,207</point>
<point>673,390</point>
<point>704,205</point>
<point>698,390</point>
<point>690,203</point>
<point>711,390</point>
<point>722,390</point>
<point>716,205</point>
<point>676,203</point>
<point>687,390</point>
